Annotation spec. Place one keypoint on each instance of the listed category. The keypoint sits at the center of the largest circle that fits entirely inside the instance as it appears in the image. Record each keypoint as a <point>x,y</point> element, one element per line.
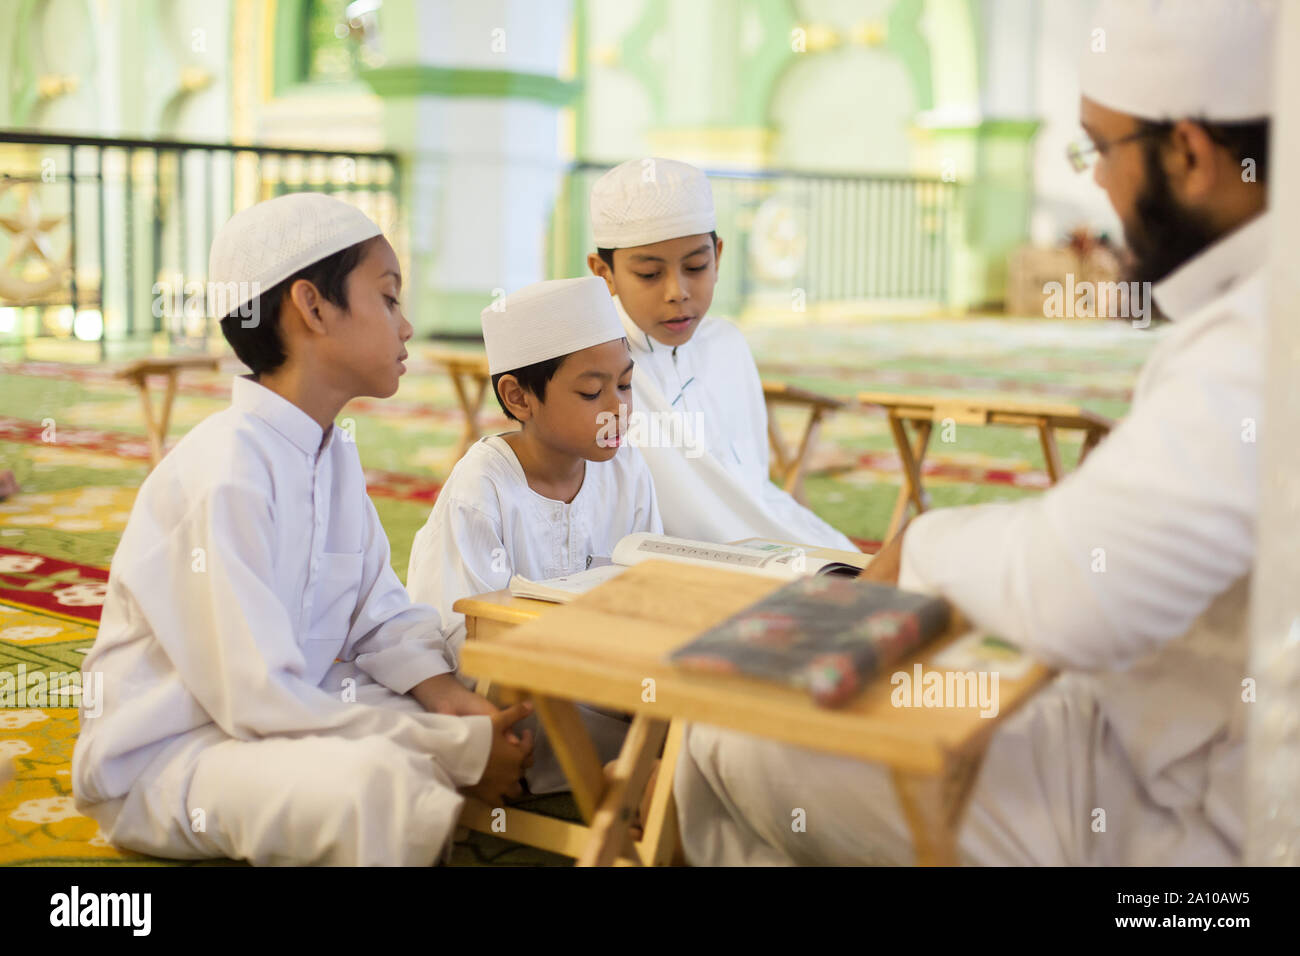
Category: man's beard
<point>1163,234</point>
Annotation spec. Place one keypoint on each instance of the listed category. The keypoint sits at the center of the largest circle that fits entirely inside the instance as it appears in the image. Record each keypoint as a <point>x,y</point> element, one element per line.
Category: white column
<point>1273,777</point>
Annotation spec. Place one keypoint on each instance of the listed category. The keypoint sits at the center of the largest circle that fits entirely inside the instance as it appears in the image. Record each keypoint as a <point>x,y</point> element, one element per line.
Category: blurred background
<point>869,157</point>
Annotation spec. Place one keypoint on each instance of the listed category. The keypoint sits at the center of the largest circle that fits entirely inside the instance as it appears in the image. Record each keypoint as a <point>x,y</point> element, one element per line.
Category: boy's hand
<point>511,754</point>
<point>444,694</point>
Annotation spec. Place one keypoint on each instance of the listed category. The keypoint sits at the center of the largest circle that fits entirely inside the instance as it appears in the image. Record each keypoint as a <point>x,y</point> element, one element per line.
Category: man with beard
<point>1132,574</point>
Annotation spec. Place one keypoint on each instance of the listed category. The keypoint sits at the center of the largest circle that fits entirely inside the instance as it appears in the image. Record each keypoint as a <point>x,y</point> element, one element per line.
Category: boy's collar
<point>284,416</point>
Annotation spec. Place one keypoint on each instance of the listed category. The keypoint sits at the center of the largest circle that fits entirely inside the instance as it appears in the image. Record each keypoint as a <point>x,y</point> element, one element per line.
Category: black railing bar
<point>56,139</point>
<point>72,229</point>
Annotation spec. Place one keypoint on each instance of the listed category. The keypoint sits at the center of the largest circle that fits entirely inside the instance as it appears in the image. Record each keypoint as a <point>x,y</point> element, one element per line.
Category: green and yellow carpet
<point>74,437</point>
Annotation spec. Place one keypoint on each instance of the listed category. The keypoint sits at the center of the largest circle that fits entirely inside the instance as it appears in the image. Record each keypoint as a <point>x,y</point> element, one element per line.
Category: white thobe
<point>715,485</point>
<point>1132,576</point>
<point>488,525</point>
<point>253,559</point>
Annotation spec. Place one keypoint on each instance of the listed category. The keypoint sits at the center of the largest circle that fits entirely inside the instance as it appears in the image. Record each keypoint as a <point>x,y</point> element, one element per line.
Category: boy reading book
<point>543,500</point>
<point>658,252</point>
<point>271,694</point>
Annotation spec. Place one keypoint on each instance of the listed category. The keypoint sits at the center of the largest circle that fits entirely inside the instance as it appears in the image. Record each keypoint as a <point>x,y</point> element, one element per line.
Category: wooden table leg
<point>911,492</point>
<point>150,425</point>
<point>661,841</point>
<point>609,827</point>
<point>933,805</point>
<point>794,478</point>
<point>469,428</point>
<point>575,752</point>
<point>1051,454</point>
<point>1090,441</point>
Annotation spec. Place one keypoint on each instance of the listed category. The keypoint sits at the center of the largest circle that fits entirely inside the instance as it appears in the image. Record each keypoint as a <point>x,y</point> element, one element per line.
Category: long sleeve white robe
<point>253,559</point>
<point>488,525</point>
<point>1132,576</point>
<point>719,489</point>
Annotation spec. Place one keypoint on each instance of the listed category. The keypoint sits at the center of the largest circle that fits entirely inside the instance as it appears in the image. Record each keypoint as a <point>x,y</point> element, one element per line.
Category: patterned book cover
<point>826,634</point>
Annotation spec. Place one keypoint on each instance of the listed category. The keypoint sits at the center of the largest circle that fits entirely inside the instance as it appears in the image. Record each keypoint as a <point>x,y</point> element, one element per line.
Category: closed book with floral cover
<point>828,635</point>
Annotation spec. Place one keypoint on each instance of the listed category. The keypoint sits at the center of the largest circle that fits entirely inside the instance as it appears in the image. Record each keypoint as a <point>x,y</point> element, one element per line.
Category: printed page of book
<point>644,546</point>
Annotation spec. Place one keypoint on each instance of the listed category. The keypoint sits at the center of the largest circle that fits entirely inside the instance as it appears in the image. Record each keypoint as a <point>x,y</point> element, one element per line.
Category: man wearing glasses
<point>1131,575</point>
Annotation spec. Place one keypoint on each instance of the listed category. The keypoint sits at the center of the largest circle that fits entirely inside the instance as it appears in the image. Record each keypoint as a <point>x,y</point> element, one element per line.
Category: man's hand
<point>444,694</point>
<point>884,567</point>
<point>511,754</point>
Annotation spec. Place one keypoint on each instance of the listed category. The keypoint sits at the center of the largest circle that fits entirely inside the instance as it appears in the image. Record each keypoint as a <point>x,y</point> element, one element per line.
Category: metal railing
<point>801,240</point>
<point>108,239</point>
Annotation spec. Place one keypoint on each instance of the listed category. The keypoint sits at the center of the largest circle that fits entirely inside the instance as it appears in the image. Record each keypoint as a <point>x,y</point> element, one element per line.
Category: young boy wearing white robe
<point>703,419</point>
<point>542,501</point>
<point>271,694</point>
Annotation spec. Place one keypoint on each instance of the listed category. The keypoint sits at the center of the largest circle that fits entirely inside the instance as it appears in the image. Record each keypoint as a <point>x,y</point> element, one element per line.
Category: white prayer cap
<point>548,319</point>
<point>649,200</point>
<point>1182,59</point>
<point>266,243</point>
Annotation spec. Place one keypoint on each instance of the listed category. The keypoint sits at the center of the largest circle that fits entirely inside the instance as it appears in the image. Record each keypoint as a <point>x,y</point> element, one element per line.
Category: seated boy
<point>270,693</point>
<point>658,252</point>
<point>542,500</point>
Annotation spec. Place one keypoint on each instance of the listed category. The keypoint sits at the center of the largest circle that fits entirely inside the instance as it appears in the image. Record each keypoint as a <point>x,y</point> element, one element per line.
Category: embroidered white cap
<point>265,244</point>
<point>649,200</point>
<point>1182,59</point>
<point>548,319</point>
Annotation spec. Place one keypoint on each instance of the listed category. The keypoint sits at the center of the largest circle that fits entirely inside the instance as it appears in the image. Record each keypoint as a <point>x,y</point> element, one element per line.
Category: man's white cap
<point>548,319</point>
<point>650,200</point>
<point>1182,59</point>
<point>266,243</point>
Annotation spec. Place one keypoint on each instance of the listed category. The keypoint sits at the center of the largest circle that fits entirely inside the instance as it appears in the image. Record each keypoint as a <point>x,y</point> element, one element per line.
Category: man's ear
<point>599,267</point>
<point>717,252</point>
<point>514,397</point>
<point>306,298</point>
<point>1192,161</point>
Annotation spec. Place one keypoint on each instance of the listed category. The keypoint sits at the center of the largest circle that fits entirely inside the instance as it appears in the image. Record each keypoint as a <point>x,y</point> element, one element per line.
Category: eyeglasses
<point>1082,153</point>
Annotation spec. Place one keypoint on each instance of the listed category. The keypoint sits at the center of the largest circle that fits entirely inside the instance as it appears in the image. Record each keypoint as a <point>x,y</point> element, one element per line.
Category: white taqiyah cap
<point>650,200</point>
<point>266,243</point>
<point>1182,59</point>
<point>548,319</point>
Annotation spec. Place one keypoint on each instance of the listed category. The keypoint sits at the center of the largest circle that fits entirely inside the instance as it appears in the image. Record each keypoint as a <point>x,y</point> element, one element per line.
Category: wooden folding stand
<point>489,617</point>
<point>608,648</point>
<point>788,467</point>
<point>171,366</point>
<point>924,411</point>
<point>469,375</point>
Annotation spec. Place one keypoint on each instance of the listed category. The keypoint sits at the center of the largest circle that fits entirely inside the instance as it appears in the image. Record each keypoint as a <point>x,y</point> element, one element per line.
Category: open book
<point>761,556</point>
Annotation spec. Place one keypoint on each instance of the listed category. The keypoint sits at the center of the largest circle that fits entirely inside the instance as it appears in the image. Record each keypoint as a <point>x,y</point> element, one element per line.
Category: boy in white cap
<point>1132,576</point>
<point>658,252</point>
<point>542,501</point>
<point>270,693</point>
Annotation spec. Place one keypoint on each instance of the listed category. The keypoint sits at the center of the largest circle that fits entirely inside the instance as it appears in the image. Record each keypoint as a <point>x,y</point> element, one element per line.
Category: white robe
<point>253,559</point>
<point>1132,575</point>
<point>715,486</point>
<point>488,525</point>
